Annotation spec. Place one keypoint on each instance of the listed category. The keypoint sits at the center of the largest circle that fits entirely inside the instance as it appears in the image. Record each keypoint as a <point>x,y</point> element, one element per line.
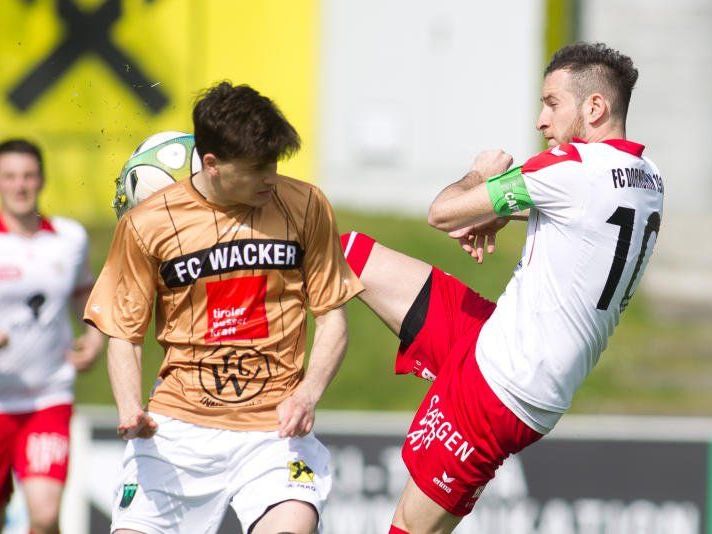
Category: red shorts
<point>462,432</point>
<point>34,444</point>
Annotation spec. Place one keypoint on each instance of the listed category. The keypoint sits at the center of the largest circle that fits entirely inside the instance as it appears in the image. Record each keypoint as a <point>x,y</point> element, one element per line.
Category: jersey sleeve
<point>330,282</point>
<point>555,181</point>
<point>121,300</point>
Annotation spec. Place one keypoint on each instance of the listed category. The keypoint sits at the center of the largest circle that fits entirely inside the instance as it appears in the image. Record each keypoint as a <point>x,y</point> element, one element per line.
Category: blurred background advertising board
<point>627,475</point>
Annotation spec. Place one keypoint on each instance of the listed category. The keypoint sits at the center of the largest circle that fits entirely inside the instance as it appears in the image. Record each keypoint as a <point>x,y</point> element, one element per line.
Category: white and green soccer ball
<point>159,161</point>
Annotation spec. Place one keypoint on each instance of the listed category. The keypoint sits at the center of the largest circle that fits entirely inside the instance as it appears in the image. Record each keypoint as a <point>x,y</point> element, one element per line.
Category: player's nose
<point>542,122</point>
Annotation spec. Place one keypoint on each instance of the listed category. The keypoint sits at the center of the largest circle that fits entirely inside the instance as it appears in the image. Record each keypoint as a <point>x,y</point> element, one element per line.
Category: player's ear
<point>210,164</point>
<point>596,108</point>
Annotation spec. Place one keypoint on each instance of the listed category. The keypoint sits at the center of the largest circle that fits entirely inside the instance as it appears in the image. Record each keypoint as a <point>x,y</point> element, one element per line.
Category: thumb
<point>459,233</point>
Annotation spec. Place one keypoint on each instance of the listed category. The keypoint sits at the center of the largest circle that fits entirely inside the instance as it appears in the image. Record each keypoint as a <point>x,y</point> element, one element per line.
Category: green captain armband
<point>508,192</point>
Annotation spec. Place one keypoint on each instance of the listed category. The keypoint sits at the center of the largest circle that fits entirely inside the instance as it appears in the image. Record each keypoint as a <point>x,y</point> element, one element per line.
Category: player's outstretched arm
<point>124,362</point>
<point>467,202</point>
<point>296,412</point>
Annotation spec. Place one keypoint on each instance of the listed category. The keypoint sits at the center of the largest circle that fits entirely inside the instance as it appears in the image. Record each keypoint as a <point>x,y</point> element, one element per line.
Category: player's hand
<point>4,339</point>
<point>137,425</point>
<point>492,162</point>
<point>84,351</point>
<point>474,239</point>
<point>296,415</point>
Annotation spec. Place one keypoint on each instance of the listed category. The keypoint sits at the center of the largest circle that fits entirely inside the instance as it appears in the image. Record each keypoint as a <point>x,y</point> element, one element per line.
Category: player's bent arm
<point>465,202</point>
<point>503,195</point>
<point>296,413</point>
<point>460,205</point>
<point>124,363</point>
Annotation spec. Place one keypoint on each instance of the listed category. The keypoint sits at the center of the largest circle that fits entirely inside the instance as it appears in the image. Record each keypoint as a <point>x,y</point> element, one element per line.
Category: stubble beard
<point>576,129</point>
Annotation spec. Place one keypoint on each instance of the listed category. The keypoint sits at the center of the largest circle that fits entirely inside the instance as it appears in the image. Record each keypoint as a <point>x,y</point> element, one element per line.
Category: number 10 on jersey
<point>625,218</point>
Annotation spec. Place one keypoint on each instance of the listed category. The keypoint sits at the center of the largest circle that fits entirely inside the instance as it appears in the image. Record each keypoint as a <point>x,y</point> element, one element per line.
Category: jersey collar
<point>632,148</point>
<point>45,225</point>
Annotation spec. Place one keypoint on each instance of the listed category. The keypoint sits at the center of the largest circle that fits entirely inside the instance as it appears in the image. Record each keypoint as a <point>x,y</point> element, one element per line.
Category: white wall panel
<point>412,89</point>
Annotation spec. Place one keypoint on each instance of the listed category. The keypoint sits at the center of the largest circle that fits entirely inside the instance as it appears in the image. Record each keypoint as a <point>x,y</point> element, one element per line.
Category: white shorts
<point>183,479</point>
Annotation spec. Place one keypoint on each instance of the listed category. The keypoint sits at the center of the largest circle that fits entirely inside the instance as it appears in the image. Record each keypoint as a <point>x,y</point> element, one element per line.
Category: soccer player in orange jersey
<point>233,258</point>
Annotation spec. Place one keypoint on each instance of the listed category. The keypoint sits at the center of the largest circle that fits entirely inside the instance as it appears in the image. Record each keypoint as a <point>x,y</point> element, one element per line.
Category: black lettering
<point>618,178</point>
<point>256,253</point>
<point>233,378</point>
<point>220,384</point>
<point>637,178</point>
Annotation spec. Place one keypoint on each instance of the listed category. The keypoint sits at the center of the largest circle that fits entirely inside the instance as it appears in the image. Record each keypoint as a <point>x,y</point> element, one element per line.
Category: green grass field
<point>652,366</point>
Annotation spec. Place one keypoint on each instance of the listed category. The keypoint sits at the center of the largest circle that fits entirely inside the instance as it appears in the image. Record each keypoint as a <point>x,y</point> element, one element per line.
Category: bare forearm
<point>124,362</point>
<point>328,350</point>
<point>471,180</point>
<point>467,202</point>
<point>460,207</point>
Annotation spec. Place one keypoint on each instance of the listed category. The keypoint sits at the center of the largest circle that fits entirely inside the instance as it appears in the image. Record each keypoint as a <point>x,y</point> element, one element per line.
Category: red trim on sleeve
<point>557,154</point>
<point>3,226</point>
<point>624,145</point>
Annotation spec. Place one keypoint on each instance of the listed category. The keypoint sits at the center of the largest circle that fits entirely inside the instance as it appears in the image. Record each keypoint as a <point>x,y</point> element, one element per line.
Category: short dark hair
<point>238,122</point>
<point>596,67</point>
<point>23,146</point>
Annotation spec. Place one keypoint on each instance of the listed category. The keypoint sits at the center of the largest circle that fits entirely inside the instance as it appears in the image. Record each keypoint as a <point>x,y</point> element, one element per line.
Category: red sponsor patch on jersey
<point>236,309</point>
<point>552,156</point>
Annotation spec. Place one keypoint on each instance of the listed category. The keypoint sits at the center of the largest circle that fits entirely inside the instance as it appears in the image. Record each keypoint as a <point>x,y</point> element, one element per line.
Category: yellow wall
<point>88,121</point>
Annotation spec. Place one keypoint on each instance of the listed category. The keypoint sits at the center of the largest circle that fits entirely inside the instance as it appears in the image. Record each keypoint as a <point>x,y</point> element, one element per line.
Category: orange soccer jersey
<point>231,289</point>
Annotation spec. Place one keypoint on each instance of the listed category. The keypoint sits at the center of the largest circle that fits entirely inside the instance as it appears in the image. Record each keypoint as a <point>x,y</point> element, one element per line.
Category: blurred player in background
<point>233,257</point>
<point>44,272</point>
<point>504,374</point>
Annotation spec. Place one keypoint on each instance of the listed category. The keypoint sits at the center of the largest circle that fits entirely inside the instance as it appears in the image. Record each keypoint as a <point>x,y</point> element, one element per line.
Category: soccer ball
<point>159,161</point>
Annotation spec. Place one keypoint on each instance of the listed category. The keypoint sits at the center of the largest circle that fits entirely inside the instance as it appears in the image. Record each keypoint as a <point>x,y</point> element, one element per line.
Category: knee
<point>44,522</point>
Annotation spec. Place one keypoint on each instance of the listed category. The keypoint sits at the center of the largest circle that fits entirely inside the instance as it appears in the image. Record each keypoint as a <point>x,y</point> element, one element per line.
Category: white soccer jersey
<point>38,276</point>
<point>595,218</point>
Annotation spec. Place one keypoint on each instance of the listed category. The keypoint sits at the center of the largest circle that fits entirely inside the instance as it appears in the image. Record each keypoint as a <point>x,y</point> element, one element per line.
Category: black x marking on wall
<point>86,33</point>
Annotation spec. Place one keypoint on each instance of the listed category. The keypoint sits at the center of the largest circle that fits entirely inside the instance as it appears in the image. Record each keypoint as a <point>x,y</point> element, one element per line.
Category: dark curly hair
<point>238,122</point>
<point>597,68</point>
<point>23,146</point>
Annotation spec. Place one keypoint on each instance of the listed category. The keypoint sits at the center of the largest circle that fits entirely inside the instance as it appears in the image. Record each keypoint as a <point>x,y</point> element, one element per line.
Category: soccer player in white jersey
<point>504,374</point>
<point>43,273</point>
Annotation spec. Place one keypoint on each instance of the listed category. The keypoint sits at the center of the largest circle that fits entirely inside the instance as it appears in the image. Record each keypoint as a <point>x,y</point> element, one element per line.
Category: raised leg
<point>392,279</point>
